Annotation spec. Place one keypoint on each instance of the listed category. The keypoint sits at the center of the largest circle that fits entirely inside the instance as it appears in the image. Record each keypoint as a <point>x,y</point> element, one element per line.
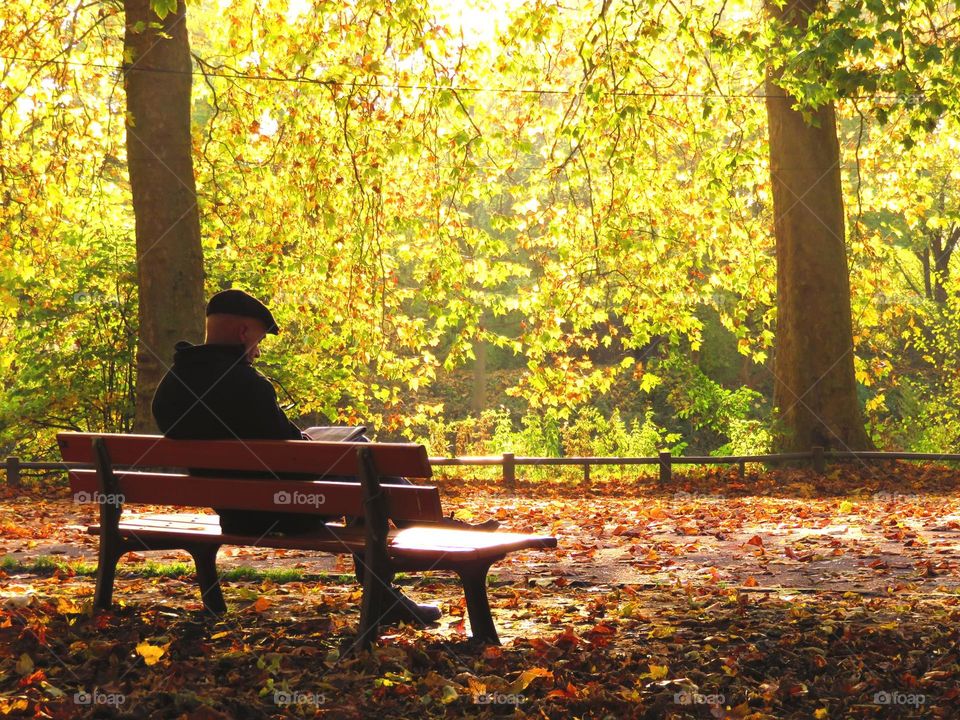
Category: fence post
<point>13,471</point>
<point>586,473</point>
<point>509,472</point>
<point>819,462</point>
<point>742,469</point>
<point>665,467</point>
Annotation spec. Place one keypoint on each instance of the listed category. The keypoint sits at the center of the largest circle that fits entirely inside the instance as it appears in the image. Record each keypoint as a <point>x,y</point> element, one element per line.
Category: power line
<point>369,84</point>
<point>427,88</point>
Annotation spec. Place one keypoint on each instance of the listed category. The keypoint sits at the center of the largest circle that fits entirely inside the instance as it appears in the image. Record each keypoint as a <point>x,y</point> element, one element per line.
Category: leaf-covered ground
<point>781,595</point>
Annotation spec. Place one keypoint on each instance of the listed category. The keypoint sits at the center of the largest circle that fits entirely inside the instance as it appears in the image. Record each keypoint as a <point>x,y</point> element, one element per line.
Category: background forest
<point>535,227</point>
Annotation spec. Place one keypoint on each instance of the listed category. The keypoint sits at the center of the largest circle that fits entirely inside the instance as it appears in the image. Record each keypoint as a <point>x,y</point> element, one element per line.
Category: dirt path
<point>868,544</point>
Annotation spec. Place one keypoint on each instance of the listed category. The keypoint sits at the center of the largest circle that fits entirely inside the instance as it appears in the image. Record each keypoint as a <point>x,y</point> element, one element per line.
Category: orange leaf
<point>569,692</point>
<point>604,629</point>
<point>35,678</point>
<point>567,637</point>
<point>492,652</point>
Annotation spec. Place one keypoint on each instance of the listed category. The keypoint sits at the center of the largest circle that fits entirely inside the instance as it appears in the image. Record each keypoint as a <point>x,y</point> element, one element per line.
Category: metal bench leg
<point>112,546</point>
<point>474,579</point>
<point>377,571</point>
<point>205,560</point>
<point>109,555</point>
<point>375,599</point>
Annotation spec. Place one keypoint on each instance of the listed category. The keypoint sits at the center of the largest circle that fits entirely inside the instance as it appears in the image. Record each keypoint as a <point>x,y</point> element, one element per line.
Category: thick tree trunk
<point>169,255</point>
<point>815,389</point>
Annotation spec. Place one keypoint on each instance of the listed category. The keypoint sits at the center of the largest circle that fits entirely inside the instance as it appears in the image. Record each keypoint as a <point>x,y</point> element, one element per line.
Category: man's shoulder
<point>246,379</point>
<point>221,360</point>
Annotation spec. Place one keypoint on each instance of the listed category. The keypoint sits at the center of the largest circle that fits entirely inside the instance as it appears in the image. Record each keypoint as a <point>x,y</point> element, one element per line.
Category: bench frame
<point>382,551</point>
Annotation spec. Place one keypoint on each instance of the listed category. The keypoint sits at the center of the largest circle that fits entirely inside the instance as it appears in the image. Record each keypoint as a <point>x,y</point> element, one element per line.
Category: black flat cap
<point>237,302</point>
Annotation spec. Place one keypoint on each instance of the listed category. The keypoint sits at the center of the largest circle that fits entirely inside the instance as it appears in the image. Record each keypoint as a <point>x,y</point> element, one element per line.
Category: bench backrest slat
<point>404,502</point>
<point>266,456</point>
<point>149,479</point>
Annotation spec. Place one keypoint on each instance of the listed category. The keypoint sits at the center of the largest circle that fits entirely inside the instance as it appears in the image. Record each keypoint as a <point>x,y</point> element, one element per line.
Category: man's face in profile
<point>252,333</point>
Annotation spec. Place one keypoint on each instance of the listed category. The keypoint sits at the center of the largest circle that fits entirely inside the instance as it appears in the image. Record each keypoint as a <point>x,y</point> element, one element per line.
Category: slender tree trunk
<point>943,243</point>
<point>924,255</point>
<point>941,267</point>
<point>169,255</point>
<point>815,388</point>
<point>478,402</point>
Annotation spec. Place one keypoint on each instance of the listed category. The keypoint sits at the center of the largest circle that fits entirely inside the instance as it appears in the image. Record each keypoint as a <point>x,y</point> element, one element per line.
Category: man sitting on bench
<point>212,392</point>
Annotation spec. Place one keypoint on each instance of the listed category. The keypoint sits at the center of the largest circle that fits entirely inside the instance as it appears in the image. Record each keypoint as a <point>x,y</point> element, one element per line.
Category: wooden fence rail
<point>817,456</point>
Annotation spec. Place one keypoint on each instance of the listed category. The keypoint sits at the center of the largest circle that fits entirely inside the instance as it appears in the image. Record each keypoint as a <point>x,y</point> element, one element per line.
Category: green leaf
<point>649,381</point>
<point>162,8</point>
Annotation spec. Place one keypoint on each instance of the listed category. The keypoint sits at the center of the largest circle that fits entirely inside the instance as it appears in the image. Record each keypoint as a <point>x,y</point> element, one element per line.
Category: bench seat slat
<point>452,540</point>
<point>176,518</point>
<point>149,536</point>
<point>423,543</point>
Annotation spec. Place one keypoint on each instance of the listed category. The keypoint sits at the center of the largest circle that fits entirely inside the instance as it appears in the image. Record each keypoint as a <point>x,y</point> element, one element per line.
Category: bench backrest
<point>156,471</point>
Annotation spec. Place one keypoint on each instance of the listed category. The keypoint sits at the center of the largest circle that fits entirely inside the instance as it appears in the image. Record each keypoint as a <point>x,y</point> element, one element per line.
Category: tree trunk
<point>924,255</point>
<point>941,273</point>
<point>169,256</point>
<point>478,401</point>
<point>815,388</point>
<point>942,243</point>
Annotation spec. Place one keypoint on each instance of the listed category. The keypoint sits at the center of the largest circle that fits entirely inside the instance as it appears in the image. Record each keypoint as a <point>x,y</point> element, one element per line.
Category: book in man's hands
<point>329,433</point>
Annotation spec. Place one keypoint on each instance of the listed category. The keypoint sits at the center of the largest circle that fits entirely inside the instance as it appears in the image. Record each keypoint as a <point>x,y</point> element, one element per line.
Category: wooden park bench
<point>149,469</point>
